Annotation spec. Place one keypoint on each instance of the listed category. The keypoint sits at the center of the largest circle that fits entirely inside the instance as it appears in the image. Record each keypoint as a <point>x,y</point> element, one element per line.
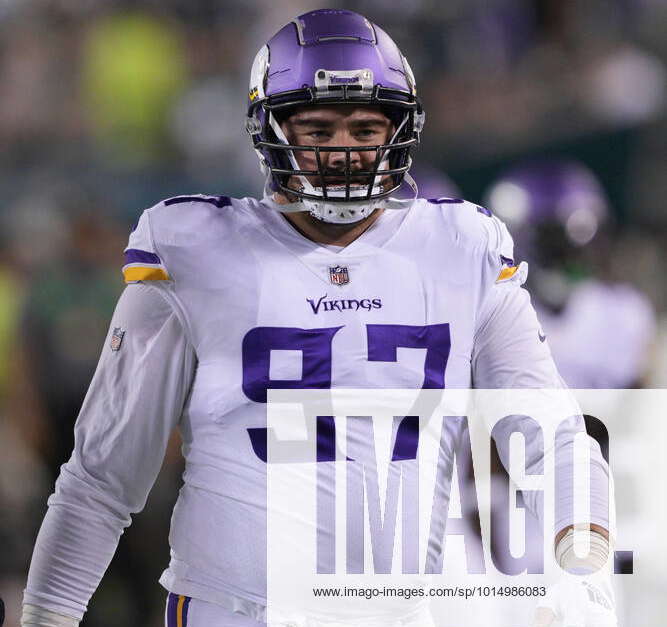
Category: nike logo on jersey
<point>541,336</point>
<point>344,304</point>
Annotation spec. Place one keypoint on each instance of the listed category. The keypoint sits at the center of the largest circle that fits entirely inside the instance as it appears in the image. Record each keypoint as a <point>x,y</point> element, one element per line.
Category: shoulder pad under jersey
<point>478,228</point>
<point>142,257</point>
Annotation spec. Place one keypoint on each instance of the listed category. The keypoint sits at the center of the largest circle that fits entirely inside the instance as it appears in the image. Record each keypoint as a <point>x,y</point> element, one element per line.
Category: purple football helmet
<point>554,210</point>
<point>325,57</point>
<point>564,193</point>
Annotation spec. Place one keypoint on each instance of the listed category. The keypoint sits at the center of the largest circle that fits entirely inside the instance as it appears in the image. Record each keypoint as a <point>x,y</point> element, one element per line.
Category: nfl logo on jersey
<point>339,275</point>
<point>117,338</point>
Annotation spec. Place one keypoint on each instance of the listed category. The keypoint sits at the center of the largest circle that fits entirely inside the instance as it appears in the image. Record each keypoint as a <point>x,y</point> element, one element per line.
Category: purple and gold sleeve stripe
<point>141,265</point>
<point>177,610</point>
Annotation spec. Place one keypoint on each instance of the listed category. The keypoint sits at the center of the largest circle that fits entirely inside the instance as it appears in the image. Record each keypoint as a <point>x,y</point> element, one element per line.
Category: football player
<point>315,285</point>
<point>559,217</point>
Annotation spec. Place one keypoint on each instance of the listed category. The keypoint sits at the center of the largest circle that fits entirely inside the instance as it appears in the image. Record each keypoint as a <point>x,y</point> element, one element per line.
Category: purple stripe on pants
<point>172,604</point>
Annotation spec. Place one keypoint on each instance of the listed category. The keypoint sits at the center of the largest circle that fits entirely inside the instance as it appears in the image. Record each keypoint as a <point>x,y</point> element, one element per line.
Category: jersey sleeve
<point>134,401</point>
<point>142,260</point>
<point>510,350</point>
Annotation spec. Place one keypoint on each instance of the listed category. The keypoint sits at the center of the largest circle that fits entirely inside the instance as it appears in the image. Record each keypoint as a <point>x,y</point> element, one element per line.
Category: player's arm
<point>510,351</point>
<point>134,401</point>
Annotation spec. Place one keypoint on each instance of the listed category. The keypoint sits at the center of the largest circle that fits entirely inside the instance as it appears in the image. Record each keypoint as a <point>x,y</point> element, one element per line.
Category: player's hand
<point>578,602</point>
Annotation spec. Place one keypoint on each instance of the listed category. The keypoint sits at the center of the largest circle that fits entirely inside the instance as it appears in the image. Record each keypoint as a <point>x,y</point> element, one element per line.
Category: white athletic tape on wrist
<point>35,616</point>
<point>598,552</point>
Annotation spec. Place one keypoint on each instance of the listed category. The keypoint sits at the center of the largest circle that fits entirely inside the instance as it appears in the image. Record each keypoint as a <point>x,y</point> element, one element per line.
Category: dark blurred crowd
<point>108,106</point>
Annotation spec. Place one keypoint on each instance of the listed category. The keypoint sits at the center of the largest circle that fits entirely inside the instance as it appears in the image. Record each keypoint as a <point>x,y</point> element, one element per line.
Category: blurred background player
<point>600,328</point>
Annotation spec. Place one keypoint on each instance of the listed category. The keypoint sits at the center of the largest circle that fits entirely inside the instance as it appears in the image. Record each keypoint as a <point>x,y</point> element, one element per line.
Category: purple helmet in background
<point>325,57</point>
<point>564,193</point>
<point>554,210</point>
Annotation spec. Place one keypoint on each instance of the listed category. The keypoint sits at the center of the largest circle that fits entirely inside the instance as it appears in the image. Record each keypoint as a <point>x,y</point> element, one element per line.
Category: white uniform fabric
<point>608,355</point>
<point>204,614</point>
<point>249,303</point>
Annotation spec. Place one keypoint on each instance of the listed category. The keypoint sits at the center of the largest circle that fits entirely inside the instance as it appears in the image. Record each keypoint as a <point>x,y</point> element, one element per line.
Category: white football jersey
<point>229,301</point>
<point>602,337</point>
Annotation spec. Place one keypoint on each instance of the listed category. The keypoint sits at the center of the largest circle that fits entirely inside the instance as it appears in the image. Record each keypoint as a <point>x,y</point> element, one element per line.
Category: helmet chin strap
<point>339,212</point>
<point>342,212</point>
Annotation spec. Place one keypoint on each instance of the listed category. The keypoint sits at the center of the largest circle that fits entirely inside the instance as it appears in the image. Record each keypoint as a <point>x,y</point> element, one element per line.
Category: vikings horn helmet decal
<point>327,57</point>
